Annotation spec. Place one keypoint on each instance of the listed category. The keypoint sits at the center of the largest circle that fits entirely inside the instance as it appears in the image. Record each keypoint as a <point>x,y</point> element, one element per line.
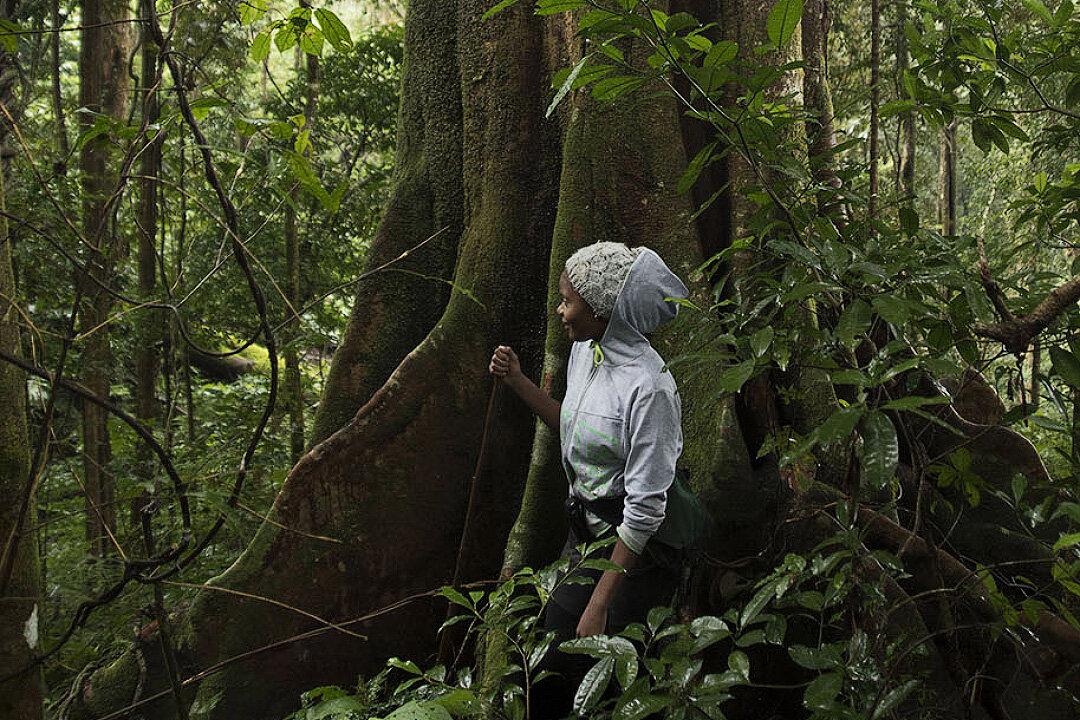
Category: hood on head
<point>640,307</point>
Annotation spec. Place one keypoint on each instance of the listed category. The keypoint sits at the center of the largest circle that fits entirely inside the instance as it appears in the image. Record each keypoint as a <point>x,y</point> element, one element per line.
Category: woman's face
<point>578,319</point>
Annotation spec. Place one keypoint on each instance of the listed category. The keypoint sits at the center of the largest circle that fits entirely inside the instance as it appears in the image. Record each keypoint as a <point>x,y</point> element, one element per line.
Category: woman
<point>619,426</point>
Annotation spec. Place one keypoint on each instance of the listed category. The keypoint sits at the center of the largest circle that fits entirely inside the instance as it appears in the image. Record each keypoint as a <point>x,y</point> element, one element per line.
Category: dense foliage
<point>892,275</point>
<point>252,114</point>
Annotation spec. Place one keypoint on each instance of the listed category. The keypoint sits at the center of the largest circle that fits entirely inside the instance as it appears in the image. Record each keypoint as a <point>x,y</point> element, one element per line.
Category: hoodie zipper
<point>584,391</point>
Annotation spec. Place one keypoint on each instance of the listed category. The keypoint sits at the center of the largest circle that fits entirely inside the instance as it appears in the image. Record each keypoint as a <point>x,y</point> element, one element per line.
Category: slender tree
<point>907,117</point>
<point>947,179</point>
<point>150,325</point>
<point>308,66</point>
<point>103,88</point>
<point>875,101</point>
<point>63,148</point>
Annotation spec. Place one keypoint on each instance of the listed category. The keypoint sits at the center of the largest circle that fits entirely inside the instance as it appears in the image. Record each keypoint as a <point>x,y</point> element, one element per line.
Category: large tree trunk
<point>21,607</point>
<point>103,88</point>
<point>20,619</point>
<point>394,311</point>
<point>400,422</point>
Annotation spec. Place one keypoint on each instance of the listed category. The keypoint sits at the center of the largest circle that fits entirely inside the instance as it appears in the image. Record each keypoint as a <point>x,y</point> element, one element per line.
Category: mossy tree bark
<point>21,698</point>
<point>399,425</point>
<point>21,607</point>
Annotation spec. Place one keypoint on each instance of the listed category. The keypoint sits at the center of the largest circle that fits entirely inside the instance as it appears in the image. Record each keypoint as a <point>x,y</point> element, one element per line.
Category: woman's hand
<point>593,621</point>
<point>505,364</point>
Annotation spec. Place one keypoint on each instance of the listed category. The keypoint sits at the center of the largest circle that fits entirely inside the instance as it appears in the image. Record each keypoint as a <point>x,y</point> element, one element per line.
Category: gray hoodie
<point>620,424</point>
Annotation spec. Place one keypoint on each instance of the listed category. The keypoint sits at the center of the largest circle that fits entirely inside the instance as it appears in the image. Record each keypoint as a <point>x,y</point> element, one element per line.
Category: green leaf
<point>311,42</point>
<point>611,88</point>
<point>553,7</point>
<point>854,321</point>
<point>455,596</point>
<point>599,646</point>
<point>1036,7</point>
<point>1040,182</point>
<point>286,37</point>
<point>721,53</point>
<point>335,708</point>
<point>733,378</point>
<point>1066,365</point>
<point>9,35</point>
<point>758,602</point>
<point>783,19</point>
<point>252,10</point>
<point>260,47</point>
<point>821,693</point>
<point>459,702</point>
<point>1067,541</point>
<point>814,658</point>
<point>626,670</point>
<point>336,32</point>
<point>760,341</point>
<point>407,665</point>
<point>891,308</point>
<point>1064,12</point>
<point>201,107</point>
<point>568,83</point>
<point>707,631</point>
<point>657,616</point>
<point>593,685</point>
<point>416,710</point>
<point>840,424</point>
<point>497,8</point>
<point>775,630</point>
<point>694,168</point>
<point>894,698</point>
<point>896,107</point>
<point>880,451</point>
<point>740,664</point>
<point>640,707</point>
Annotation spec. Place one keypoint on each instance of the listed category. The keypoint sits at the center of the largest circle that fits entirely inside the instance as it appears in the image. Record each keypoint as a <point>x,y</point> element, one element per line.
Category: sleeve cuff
<point>633,539</point>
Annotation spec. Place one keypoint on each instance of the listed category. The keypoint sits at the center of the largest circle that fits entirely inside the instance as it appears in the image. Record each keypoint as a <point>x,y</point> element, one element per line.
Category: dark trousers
<point>647,585</point>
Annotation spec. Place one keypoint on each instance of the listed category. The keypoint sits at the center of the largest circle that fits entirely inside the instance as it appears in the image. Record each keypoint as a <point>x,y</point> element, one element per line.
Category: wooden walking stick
<point>453,635</point>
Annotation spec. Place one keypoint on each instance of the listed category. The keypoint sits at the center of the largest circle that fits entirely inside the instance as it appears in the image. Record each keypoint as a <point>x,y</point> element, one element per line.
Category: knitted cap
<point>597,272</point>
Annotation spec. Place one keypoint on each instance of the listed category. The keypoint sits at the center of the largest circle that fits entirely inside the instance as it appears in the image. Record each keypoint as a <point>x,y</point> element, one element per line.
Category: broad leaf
<point>823,691</point>
<point>880,451</point>
<point>1066,365</point>
<point>783,19</point>
<point>337,34</point>
<point>593,685</point>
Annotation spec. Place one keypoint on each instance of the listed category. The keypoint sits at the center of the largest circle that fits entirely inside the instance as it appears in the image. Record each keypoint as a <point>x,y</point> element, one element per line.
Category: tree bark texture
<point>150,323</point>
<point>399,425</point>
<point>947,180</point>
<point>21,698</point>
<point>103,88</point>
<point>21,603</point>
<point>820,130</point>
<point>875,101</point>
<point>57,94</point>
<point>907,117</point>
